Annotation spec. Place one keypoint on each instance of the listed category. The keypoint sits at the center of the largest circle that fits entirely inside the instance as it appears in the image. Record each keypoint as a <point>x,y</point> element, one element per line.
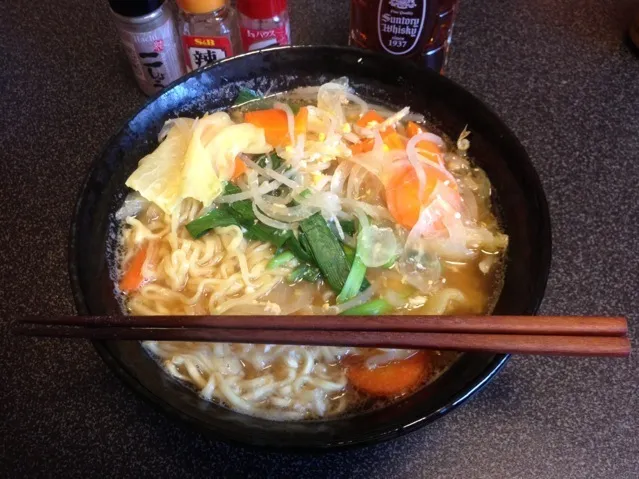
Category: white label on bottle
<point>154,56</point>
<point>400,24</point>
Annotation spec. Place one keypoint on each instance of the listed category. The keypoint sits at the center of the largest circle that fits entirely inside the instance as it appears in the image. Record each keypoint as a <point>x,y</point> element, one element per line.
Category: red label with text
<point>253,39</point>
<point>200,51</point>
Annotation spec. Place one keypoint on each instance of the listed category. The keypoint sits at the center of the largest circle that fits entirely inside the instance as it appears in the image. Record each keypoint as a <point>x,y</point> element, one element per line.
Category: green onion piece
<point>246,95</point>
<point>270,160</point>
<point>305,244</point>
<point>239,213</point>
<point>304,273</point>
<point>280,260</point>
<point>372,308</point>
<point>354,281</point>
<point>213,219</point>
<point>242,209</point>
<point>350,256</point>
<point>293,244</point>
<point>326,250</point>
<point>390,263</point>
<point>306,193</point>
<point>348,227</point>
<point>349,252</point>
<point>268,234</point>
<point>231,188</point>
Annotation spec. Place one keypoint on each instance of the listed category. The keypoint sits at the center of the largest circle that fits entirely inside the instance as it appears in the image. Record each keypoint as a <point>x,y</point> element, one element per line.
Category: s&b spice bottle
<point>209,31</point>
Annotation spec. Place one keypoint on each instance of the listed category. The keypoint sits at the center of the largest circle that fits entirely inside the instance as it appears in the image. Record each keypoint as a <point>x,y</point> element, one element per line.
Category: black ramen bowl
<point>383,80</point>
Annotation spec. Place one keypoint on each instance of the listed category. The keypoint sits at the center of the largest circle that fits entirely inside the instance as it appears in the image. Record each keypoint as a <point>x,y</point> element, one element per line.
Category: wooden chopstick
<point>499,343</point>
<point>544,325</point>
<point>611,343</point>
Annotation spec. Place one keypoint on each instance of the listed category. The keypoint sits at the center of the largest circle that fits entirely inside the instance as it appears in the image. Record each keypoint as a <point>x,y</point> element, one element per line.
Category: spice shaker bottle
<point>263,23</point>
<point>148,34</point>
<point>209,31</point>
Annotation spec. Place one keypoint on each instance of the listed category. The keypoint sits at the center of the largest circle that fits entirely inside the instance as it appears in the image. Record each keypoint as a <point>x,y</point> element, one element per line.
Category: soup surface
<point>313,202</point>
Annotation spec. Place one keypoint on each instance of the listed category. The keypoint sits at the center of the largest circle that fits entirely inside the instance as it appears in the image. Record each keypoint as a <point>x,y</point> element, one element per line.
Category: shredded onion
<point>413,158</point>
<point>387,356</point>
<point>355,99</point>
<point>286,214</point>
<point>329,99</point>
<point>393,119</point>
<point>264,188</point>
<point>338,227</point>
<point>351,137</point>
<point>430,137</point>
<point>355,182</point>
<point>270,173</point>
<point>377,212</point>
<point>290,119</point>
<point>269,221</point>
<point>339,177</point>
<point>329,203</point>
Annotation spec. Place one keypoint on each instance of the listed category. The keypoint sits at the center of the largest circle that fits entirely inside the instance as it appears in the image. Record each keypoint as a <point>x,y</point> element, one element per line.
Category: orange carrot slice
<point>393,140</point>
<point>402,193</point>
<point>391,379</point>
<point>240,168</point>
<point>413,129</point>
<point>363,146</point>
<point>301,121</point>
<point>429,149</point>
<point>133,277</point>
<point>275,124</point>
<point>368,118</point>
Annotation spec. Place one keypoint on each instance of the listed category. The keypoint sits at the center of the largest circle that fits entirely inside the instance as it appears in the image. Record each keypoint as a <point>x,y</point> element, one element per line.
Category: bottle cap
<point>134,8</point>
<point>261,9</point>
<point>200,6</point>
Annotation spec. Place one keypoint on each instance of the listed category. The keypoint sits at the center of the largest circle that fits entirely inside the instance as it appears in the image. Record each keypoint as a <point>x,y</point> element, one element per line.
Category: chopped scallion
<point>326,249</point>
<point>372,308</point>
<point>304,273</point>
<point>280,260</point>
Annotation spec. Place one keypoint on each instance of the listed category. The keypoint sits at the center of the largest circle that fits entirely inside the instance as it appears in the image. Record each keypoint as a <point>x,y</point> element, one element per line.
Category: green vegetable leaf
<point>298,250</point>
<point>372,308</point>
<point>246,95</point>
<point>213,219</point>
<point>354,281</point>
<point>304,273</point>
<point>270,160</point>
<point>281,259</point>
<point>326,249</point>
<point>348,227</point>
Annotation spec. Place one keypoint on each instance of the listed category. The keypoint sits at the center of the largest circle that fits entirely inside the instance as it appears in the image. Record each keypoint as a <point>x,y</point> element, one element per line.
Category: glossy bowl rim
<point>490,371</point>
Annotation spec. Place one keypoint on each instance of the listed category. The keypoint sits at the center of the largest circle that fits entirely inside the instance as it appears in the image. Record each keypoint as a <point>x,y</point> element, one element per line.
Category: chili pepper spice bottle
<point>209,31</point>
<point>148,34</point>
<point>263,23</point>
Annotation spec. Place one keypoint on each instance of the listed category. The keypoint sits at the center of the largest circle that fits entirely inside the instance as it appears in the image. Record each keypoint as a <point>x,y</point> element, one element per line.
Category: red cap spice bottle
<point>263,23</point>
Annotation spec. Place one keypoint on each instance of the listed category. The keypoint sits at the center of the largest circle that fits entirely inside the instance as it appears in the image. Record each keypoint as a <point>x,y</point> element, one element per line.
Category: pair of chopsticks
<point>545,335</point>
